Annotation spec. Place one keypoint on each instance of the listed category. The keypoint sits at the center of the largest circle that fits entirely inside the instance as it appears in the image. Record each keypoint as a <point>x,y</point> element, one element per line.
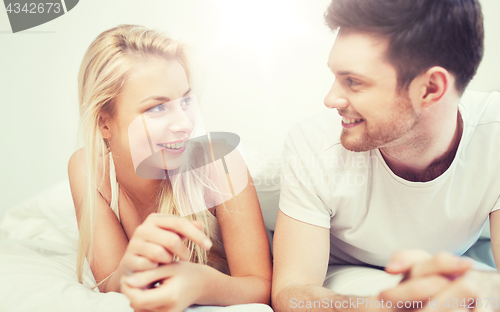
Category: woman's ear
<point>434,84</point>
<point>104,126</point>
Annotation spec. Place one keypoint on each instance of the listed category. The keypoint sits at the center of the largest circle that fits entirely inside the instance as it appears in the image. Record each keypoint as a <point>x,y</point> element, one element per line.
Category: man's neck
<point>425,157</point>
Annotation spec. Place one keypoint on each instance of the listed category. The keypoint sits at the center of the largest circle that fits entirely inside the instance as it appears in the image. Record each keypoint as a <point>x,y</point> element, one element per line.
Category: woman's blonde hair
<point>104,69</point>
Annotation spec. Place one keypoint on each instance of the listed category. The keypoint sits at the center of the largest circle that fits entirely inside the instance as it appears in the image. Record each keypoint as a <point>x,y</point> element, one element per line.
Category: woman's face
<point>155,115</point>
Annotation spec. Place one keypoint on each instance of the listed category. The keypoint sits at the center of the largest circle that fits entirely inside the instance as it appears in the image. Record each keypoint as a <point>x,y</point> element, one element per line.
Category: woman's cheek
<point>138,141</point>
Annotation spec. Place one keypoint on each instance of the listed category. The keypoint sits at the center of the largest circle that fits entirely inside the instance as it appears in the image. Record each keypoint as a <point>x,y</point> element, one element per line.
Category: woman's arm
<point>247,250</point>
<point>109,239</point>
<point>244,237</point>
<point>154,242</point>
<point>184,283</point>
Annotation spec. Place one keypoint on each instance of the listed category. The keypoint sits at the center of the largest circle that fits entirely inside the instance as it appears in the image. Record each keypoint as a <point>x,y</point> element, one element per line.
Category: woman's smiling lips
<point>350,122</point>
<point>175,147</point>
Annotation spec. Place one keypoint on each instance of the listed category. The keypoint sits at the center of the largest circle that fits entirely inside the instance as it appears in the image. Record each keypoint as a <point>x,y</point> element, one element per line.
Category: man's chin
<point>355,145</point>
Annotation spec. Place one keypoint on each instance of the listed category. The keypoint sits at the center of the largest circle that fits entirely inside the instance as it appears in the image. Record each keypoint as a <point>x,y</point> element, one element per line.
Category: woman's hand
<point>158,239</point>
<point>181,285</point>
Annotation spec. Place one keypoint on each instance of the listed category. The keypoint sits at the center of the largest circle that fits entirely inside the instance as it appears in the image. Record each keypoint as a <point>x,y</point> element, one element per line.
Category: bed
<point>38,241</point>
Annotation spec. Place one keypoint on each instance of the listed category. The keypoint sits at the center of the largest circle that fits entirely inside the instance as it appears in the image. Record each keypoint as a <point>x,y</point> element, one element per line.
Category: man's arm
<point>495,236</point>
<point>301,254</point>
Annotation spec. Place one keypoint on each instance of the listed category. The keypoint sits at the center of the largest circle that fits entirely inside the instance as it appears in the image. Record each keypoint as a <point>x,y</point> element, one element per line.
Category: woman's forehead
<point>154,78</point>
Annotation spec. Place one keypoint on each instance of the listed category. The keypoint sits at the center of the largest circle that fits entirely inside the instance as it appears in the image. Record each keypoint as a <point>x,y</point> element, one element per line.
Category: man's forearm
<point>313,298</point>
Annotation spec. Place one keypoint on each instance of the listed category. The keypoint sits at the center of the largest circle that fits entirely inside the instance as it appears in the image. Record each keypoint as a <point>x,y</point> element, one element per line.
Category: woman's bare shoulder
<point>77,174</point>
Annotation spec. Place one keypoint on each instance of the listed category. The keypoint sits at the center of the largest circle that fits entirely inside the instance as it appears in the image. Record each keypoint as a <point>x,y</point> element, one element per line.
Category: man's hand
<point>419,263</point>
<point>440,282</point>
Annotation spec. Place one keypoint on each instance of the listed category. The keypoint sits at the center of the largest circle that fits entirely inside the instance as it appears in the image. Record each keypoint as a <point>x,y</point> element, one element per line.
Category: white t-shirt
<point>370,211</point>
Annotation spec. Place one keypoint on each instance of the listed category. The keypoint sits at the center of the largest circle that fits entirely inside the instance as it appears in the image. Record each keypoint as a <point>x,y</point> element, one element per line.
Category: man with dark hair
<point>408,169</point>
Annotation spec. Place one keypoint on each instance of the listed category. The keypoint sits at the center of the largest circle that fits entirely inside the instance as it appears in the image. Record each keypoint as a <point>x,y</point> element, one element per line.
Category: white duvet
<point>38,256</point>
<point>38,242</point>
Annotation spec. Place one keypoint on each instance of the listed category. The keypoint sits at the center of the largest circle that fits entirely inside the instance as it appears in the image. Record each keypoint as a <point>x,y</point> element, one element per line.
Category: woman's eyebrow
<point>156,97</point>
<point>161,98</point>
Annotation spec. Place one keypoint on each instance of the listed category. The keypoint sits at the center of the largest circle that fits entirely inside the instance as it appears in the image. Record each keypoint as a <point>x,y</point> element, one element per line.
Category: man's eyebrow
<point>161,98</point>
<point>351,73</point>
<point>344,72</point>
<point>347,72</point>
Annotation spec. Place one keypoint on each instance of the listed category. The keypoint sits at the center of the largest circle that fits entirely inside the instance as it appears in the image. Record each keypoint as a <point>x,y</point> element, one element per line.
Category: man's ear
<point>104,126</point>
<point>434,84</point>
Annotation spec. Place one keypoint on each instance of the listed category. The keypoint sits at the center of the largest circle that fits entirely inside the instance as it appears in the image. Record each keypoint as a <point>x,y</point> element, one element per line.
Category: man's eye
<point>186,101</point>
<point>352,83</point>
<point>157,109</point>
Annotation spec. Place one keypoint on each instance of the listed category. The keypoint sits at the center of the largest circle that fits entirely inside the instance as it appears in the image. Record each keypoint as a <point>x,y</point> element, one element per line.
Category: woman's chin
<point>157,167</point>
<point>168,167</point>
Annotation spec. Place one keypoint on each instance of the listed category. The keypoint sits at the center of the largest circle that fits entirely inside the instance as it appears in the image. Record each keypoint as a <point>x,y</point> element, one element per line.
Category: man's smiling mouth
<point>349,121</point>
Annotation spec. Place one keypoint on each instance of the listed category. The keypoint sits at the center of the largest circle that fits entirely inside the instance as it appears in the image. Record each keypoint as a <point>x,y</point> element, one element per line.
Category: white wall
<point>488,74</point>
<point>262,68</point>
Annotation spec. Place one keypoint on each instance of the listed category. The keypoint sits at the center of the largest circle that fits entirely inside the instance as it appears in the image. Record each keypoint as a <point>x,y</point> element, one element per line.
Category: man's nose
<point>335,97</point>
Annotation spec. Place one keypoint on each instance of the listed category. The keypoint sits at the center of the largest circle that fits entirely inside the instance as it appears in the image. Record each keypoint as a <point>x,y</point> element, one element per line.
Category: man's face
<point>365,94</point>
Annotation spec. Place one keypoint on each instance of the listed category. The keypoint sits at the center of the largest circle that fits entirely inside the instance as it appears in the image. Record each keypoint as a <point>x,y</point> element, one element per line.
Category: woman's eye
<point>157,109</point>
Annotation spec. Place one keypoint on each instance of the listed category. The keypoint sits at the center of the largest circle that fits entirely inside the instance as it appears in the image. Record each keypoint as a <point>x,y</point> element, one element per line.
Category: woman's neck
<point>141,192</point>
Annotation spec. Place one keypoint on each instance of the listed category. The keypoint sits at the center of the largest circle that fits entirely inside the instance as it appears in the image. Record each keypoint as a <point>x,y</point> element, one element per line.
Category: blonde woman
<point>131,232</point>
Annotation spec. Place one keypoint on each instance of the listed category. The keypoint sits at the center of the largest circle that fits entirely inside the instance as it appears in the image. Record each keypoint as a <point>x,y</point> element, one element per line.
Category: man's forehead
<point>358,52</point>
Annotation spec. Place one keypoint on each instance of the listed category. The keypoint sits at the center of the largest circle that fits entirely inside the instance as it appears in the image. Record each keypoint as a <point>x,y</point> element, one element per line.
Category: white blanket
<point>38,242</point>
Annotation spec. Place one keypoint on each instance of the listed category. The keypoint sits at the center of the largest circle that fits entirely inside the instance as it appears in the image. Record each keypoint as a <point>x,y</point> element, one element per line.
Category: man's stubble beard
<point>384,133</point>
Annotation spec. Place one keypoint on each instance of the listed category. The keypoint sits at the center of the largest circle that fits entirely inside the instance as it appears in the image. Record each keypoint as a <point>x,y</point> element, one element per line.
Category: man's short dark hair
<point>421,34</point>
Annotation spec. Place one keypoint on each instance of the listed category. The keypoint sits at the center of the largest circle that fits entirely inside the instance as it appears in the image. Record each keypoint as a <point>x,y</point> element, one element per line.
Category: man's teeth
<point>350,121</point>
<point>177,145</point>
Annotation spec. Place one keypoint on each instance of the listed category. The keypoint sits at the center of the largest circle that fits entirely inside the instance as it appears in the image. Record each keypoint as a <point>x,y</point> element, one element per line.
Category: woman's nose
<point>181,122</point>
<point>335,97</point>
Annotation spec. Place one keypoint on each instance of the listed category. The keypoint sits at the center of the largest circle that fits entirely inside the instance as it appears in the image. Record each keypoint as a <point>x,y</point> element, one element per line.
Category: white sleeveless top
<point>214,224</point>
<point>114,187</point>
